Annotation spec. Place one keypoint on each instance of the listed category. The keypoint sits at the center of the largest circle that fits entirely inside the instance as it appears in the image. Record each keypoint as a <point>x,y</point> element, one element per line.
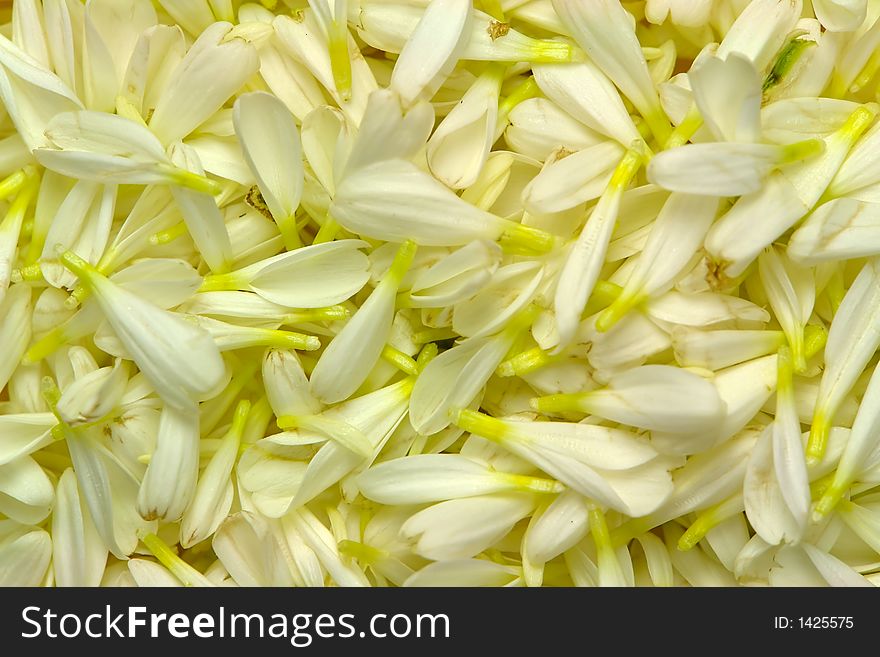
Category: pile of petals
<point>439,292</point>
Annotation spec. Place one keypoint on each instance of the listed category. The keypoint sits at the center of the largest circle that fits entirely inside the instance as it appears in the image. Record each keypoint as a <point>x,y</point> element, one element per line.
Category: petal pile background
<point>439,292</point>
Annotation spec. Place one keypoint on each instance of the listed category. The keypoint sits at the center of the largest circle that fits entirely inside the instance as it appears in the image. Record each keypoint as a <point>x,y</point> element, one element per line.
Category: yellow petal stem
<point>187,575</point>
<point>617,310</point>
<point>400,360</point>
<point>220,282</point>
<point>328,314</point>
<point>709,519</point>
<point>402,261</point>
<point>434,335</point>
<point>683,132</point>
<point>522,92</point>
<point>169,235</point>
<point>603,295</point>
<point>802,150</point>
<point>340,63</point>
<point>30,273</point>
<point>45,346</point>
<point>815,338</point>
<point>818,441</point>
<point>526,240</point>
<point>560,403</point>
<point>608,562</point>
<point>367,555</point>
<point>12,183</point>
<point>194,181</point>
<point>488,427</point>
<point>426,355</point>
<point>289,232</point>
<point>327,232</point>
<point>533,484</point>
<point>86,273</point>
<point>526,362</point>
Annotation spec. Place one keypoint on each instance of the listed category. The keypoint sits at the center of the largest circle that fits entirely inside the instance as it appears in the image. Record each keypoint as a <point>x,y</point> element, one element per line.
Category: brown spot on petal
<point>561,153</point>
<point>715,274</point>
<point>497,29</point>
<point>254,198</point>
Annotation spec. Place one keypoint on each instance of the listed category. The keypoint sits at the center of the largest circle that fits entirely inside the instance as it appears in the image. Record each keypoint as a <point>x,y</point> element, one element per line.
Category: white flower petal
<point>508,292</point>
<point>271,145</point>
<point>325,138</point>
<point>743,390</point>
<point>572,180</point>
<point>287,387</point>
<point>311,277</point>
<point>786,197</point>
<point>788,451</point>
<point>306,40</point>
<point>376,415</point>
<point>715,169</point>
<point>657,397</point>
<point>840,15</point>
<point>24,433</point>
<point>851,343</point>
<point>15,329</point>
<point>791,291</point>
<point>194,15</point>
<point>761,30</point>
<point>672,243</point>
<point>170,481</point>
<point>111,31</point>
<point>28,30</point>
<point>26,493</point>
<point>433,49</point>
<point>832,569</point>
<point>562,525</point>
<point>600,447</point>
<point>463,572</point>
<point>732,109</point>
<point>247,545</point>
<point>583,264</point>
<point>93,396</point>
<point>459,147</point>
<point>605,31</point>
<point>394,200</point>
<point>290,81</point>
<point>203,218</point>
<point>213,69</point>
<point>840,229</point>
<point>179,359</point>
<point>109,491</point>
<point>765,505</point>
<point>25,553</point>
<point>213,494</point>
<point>686,13</point>
<point>538,127</point>
<point>452,380</point>
<point>346,362</point>
<point>78,554</point>
<point>455,277</point>
<point>715,350</point>
<point>431,478</point>
<point>459,529</point>
<point>583,91</point>
<point>322,542</point>
<point>31,94</point>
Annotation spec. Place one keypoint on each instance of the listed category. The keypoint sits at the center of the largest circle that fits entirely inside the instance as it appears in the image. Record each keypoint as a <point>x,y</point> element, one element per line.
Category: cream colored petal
<point>212,71</point>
